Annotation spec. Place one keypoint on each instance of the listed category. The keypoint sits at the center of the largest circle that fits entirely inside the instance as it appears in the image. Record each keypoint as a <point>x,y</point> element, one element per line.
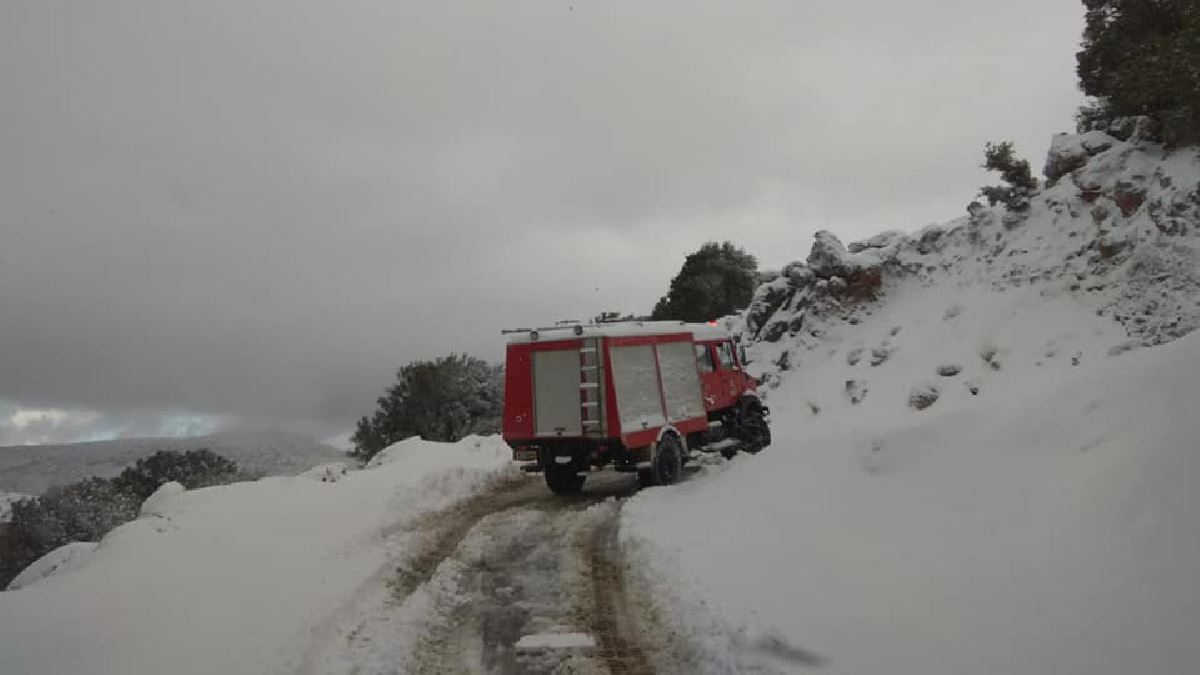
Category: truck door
<point>710,380</point>
<point>729,374</point>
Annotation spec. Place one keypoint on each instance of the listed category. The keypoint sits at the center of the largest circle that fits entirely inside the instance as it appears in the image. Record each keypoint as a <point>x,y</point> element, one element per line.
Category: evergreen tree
<point>1016,173</point>
<point>441,400</point>
<point>715,281</point>
<point>1142,57</point>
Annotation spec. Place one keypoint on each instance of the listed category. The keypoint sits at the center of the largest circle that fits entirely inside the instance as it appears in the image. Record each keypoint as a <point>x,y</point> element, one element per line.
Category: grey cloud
<point>257,210</point>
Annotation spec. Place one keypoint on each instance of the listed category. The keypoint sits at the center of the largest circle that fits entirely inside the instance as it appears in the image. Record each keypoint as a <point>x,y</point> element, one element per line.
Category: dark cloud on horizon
<point>256,210</point>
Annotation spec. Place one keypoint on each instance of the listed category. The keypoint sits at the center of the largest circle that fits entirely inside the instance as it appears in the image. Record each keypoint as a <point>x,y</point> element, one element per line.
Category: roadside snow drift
<point>985,448</point>
<point>237,578</point>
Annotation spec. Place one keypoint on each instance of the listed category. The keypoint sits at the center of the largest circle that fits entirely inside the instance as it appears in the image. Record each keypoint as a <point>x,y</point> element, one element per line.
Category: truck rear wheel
<point>564,480</point>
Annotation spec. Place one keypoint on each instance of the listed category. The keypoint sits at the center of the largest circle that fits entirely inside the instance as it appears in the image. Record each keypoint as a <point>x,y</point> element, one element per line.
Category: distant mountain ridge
<point>31,469</point>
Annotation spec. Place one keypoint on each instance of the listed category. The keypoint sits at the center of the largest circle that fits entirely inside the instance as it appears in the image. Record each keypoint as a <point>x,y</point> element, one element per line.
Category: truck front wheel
<point>752,426</point>
<point>667,465</point>
<point>564,480</point>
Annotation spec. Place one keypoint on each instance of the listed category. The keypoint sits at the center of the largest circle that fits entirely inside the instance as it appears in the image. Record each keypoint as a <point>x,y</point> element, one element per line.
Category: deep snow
<point>1046,525</point>
<point>238,578</point>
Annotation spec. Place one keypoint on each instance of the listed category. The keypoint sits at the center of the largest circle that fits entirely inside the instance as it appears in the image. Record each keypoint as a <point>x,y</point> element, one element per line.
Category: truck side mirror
<point>742,355</point>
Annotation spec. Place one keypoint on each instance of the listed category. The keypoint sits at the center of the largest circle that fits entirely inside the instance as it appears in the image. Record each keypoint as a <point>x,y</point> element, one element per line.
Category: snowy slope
<point>1038,516</point>
<point>33,468</point>
<point>238,578</point>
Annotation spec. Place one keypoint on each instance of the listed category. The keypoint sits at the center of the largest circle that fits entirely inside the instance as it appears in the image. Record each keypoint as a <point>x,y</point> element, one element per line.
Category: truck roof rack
<point>612,328</point>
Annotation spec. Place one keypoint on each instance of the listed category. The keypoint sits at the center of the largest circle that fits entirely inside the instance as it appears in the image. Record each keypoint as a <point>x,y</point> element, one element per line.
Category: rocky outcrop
<point>831,278</point>
<point>1119,223</point>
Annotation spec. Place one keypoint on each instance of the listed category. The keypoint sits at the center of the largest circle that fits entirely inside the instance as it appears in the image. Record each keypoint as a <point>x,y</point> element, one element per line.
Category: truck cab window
<point>725,354</point>
<point>704,360</point>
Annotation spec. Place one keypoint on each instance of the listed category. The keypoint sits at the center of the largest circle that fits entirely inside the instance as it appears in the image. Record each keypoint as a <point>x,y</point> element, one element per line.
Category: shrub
<point>191,469</point>
<point>83,511</point>
<point>442,400</point>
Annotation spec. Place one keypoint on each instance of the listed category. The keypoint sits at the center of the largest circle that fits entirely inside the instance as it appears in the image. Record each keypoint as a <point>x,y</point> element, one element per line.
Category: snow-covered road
<point>514,580</point>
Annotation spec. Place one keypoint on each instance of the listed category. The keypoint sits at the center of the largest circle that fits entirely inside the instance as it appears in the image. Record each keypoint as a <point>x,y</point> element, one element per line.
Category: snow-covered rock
<point>327,473</point>
<point>829,257</point>
<point>156,504</point>
<point>923,395</point>
<point>61,559</point>
<point>1066,155</point>
<point>1121,236</point>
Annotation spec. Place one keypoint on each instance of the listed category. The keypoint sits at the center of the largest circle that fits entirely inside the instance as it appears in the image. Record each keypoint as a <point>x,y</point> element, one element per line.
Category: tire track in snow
<point>545,567</point>
<point>611,620</point>
<point>478,576</point>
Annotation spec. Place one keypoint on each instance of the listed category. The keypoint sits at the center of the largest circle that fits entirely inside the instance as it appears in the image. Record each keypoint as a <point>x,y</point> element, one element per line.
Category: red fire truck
<point>636,396</point>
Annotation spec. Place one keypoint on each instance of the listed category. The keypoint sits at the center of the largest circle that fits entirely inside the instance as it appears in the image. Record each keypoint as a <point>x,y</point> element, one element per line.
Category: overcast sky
<point>241,213</point>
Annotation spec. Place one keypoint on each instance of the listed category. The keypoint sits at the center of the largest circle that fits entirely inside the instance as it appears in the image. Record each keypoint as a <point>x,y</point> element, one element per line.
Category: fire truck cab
<point>637,396</point>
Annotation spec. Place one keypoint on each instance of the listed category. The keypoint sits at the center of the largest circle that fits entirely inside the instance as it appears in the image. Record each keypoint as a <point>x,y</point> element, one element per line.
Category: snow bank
<point>236,578</point>
<point>1043,526</point>
<point>62,559</point>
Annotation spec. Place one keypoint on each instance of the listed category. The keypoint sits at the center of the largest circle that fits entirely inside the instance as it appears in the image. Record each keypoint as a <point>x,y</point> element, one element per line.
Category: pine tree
<point>1142,57</point>
<point>715,281</point>
<point>1016,173</point>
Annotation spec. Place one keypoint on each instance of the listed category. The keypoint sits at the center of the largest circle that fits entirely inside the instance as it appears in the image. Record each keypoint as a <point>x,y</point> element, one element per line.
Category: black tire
<point>564,480</point>
<point>752,427</point>
<point>667,466</point>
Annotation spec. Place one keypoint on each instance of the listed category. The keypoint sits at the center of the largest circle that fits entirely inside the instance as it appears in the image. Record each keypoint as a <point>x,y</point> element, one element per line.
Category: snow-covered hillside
<point>241,578</point>
<point>33,468</point>
<point>985,446</point>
